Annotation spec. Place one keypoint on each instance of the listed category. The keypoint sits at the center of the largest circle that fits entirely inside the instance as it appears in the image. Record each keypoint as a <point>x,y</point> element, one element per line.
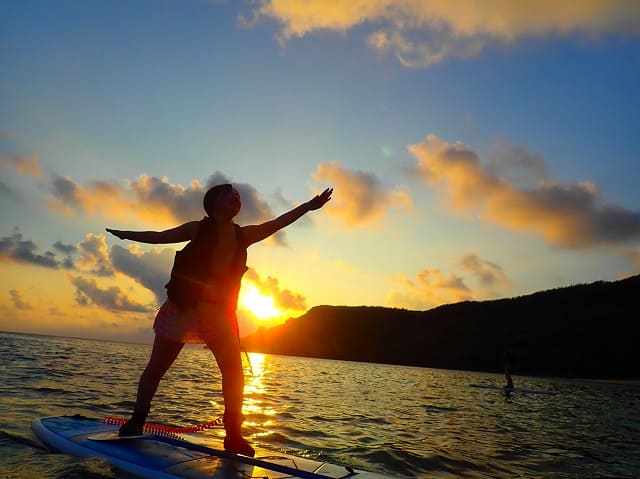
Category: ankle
<point>140,414</point>
<point>135,425</point>
<point>238,445</point>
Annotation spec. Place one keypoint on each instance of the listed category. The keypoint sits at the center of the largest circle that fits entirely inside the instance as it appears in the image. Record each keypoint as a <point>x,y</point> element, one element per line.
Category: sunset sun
<point>262,306</point>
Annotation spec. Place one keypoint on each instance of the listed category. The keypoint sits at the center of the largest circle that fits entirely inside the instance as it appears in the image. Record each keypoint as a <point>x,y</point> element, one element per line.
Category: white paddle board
<point>158,457</point>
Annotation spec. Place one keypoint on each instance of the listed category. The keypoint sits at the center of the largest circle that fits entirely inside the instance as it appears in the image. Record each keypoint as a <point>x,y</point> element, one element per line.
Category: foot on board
<point>135,425</point>
<point>238,445</point>
<point>130,428</point>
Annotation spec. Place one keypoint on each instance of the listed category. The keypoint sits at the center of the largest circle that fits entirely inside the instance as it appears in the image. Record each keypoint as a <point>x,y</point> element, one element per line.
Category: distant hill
<point>586,331</point>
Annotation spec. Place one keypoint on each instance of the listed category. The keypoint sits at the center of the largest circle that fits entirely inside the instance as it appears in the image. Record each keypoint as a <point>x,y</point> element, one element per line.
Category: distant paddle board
<point>511,390</point>
<point>159,457</point>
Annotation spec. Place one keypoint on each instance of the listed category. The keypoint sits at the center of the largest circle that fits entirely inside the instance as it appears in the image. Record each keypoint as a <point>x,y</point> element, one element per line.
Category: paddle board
<point>160,457</point>
<point>511,390</point>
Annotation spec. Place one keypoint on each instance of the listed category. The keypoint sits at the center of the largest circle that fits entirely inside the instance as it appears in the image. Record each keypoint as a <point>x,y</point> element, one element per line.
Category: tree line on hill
<point>585,331</point>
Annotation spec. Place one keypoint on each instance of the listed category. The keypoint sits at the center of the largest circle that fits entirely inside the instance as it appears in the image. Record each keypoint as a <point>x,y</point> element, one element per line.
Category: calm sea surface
<point>398,420</point>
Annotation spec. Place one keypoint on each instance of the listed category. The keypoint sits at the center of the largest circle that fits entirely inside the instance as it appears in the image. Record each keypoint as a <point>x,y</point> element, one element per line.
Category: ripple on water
<point>404,421</point>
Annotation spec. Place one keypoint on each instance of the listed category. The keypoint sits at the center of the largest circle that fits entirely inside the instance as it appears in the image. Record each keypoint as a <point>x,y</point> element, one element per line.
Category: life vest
<point>194,277</point>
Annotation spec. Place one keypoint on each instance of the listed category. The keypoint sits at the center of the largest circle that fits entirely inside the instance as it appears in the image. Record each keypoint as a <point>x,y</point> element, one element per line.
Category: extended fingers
<point>323,198</point>
<point>326,194</point>
<point>115,233</point>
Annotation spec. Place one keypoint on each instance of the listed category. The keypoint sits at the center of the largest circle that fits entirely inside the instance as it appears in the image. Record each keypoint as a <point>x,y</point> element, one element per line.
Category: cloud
<point>177,202</point>
<point>359,197</point>
<point>633,254</point>
<point>149,199</point>
<point>94,257</point>
<point>111,298</point>
<point>15,248</point>
<point>430,288</point>
<point>284,299</point>
<point>25,165</point>
<point>421,33</point>
<point>17,301</point>
<point>64,248</point>
<point>150,269</point>
<point>517,165</point>
<point>99,197</point>
<point>568,215</point>
<point>489,274</point>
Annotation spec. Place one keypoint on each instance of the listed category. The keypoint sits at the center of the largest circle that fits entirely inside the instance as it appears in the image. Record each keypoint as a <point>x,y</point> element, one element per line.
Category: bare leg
<point>227,354</point>
<point>163,354</point>
<point>225,346</point>
<point>507,374</point>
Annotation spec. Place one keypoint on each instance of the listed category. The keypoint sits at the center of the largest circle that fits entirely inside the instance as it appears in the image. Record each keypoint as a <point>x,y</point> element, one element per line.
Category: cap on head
<point>211,196</point>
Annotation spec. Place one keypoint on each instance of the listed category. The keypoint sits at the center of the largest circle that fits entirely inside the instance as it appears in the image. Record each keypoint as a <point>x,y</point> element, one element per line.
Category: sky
<point>477,150</point>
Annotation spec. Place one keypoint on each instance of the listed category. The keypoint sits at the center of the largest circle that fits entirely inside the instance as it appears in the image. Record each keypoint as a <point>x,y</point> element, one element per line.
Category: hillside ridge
<point>586,330</point>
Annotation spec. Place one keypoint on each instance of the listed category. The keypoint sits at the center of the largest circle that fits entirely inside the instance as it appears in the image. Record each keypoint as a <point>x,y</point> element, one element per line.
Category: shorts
<point>196,325</point>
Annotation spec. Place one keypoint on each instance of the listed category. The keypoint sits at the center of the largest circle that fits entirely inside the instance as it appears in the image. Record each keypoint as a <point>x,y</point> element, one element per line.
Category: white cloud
<point>421,33</point>
<point>564,214</point>
<point>360,199</point>
<point>111,298</point>
<point>430,288</point>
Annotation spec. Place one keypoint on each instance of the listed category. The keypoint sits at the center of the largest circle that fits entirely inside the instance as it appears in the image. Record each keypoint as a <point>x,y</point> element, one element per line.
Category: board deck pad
<point>158,457</point>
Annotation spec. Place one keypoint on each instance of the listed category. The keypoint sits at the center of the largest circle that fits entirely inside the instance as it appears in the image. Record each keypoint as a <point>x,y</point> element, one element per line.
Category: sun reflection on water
<point>258,411</point>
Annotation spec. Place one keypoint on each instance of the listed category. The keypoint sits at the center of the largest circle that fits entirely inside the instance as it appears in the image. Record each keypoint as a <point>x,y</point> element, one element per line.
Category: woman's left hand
<point>116,233</point>
<point>320,200</point>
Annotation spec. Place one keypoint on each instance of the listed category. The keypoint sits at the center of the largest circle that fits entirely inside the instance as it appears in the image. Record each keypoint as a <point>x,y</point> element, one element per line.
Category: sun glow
<point>260,305</point>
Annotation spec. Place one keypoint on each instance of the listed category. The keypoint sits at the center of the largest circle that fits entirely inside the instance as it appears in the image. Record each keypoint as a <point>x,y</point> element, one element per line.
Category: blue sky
<point>475,152</point>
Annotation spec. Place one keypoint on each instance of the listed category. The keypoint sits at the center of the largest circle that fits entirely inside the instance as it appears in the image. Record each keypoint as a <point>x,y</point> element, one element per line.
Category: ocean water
<point>402,421</point>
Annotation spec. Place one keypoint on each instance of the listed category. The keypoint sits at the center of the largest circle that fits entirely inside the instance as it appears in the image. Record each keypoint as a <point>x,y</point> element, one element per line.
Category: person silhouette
<point>202,296</point>
<point>507,357</point>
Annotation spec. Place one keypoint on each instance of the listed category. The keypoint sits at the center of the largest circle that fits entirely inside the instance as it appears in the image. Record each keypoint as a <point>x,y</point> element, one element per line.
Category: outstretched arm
<point>178,234</point>
<point>255,233</point>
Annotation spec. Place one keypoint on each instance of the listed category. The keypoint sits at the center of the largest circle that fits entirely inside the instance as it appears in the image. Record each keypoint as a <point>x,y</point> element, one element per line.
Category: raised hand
<point>116,233</point>
<point>320,200</point>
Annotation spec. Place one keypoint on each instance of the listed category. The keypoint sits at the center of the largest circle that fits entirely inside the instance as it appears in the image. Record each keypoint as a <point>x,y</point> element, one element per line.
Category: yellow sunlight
<point>261,305</point>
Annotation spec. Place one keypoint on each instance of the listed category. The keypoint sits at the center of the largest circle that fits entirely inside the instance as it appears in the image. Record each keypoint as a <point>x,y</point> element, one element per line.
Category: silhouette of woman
<point>202,300</point>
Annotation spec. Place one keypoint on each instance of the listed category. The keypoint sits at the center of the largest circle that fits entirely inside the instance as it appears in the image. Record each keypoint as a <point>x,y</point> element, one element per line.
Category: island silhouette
<point>581,331</point>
